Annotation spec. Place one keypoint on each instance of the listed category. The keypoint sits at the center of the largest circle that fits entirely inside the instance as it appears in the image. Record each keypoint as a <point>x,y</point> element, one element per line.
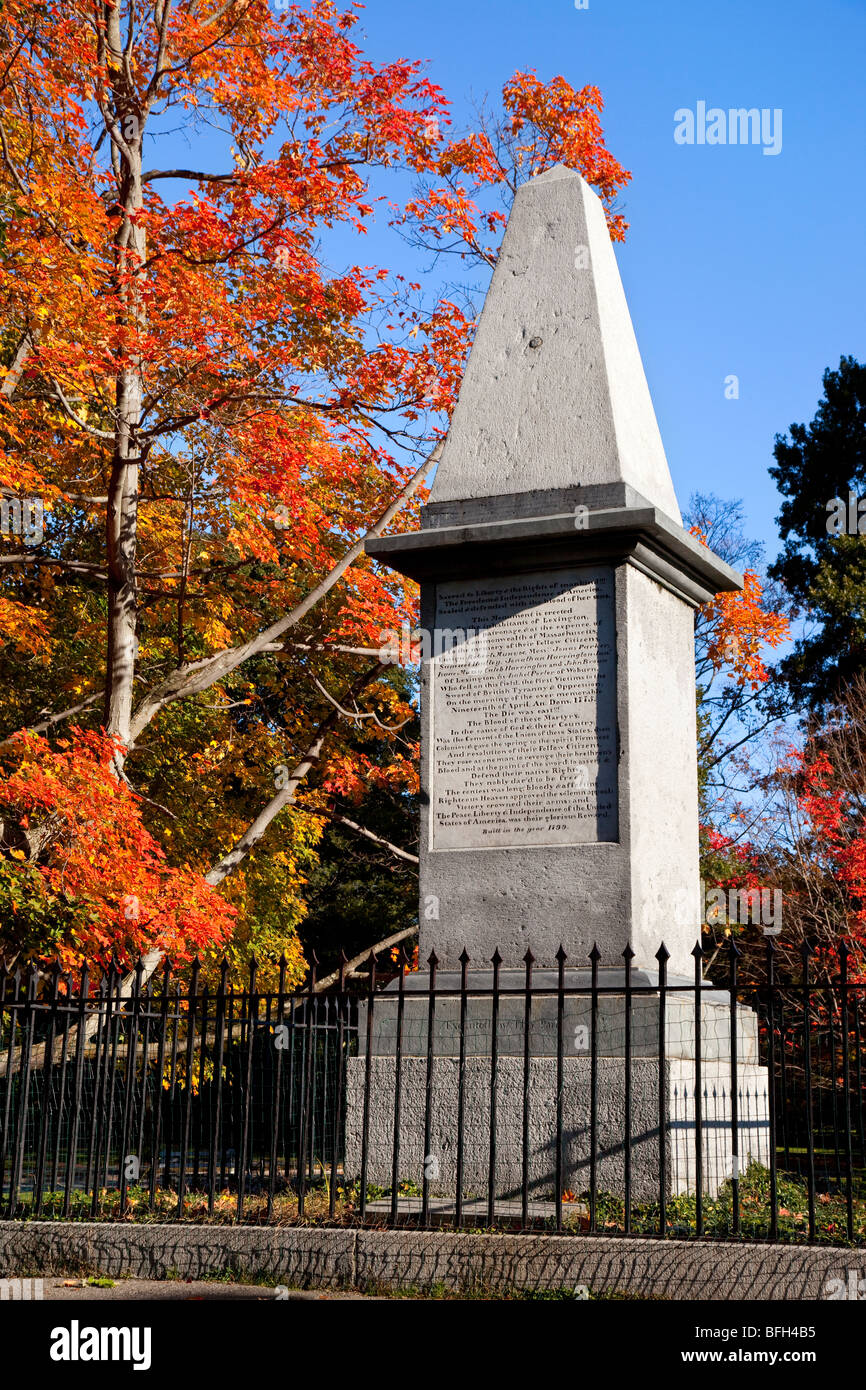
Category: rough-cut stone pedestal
<point>679,1082</point>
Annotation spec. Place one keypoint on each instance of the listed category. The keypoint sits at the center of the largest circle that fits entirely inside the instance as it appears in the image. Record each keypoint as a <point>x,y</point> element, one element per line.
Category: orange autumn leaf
<point>741,627</point>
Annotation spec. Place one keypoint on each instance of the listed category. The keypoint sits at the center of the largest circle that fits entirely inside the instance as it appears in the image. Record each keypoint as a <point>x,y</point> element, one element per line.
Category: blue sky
<point>736,262</point>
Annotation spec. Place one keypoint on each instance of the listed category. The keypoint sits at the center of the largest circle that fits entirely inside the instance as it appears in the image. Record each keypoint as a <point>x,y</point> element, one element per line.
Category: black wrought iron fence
<point>165,1090</point>
<point>591,1097</point>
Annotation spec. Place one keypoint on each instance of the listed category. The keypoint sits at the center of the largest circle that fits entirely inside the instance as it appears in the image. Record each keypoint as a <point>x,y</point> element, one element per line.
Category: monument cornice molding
<point>642,536</point>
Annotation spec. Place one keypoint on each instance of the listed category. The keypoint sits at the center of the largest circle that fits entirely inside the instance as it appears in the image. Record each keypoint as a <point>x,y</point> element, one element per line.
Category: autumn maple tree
<point>739,705</point>
<point>819,841</point>
<point>215,396</point>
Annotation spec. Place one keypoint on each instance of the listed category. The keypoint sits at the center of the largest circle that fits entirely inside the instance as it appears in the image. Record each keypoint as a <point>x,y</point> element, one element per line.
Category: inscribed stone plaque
<point>523,709</point>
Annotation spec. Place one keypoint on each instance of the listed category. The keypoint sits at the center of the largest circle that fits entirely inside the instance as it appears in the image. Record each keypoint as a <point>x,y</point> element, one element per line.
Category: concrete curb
<point>320,1257</point>
<point>301,1256</point>
<point>705,1271</point>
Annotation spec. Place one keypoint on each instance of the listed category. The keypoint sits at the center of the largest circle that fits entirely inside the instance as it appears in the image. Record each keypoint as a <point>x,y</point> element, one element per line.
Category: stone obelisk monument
<point>559,766</point>
<point>558,590</point>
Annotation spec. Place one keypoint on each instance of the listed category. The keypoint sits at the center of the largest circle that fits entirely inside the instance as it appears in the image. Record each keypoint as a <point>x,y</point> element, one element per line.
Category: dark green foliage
<point>824,574</point>
<point>359,893</point>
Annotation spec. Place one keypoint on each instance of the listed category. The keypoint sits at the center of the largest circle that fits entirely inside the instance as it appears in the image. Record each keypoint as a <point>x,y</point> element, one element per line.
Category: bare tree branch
<point>75,418</point>
<point>52,719</point>
<point>194,175</point>
<point>25,346</point>
<point>352,964</point>
<point>358,716</point>
<point>362,830</point>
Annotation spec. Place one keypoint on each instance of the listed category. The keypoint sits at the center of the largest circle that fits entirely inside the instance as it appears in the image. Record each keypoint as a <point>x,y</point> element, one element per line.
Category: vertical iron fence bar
<point>496,960</point>
<point>100,1106</point>
<point>191,1006</point>
<point>628,957</point>
<point>527,1050</point>
<point>461,1091</point>
<point>156,1127</point>
<point>117,1015</point>
<point>10,1058</point>
<point>229,1151</point>
<point>140,1094</point>
<point>263,1088</point>
<point>96,1079</point>
<point>365,1123</point>
<point>4,1073</point>
<point>771,1060</point>
<point>796,1127</point>
<point>22,1012</point>
<point>174,1027</point>
<point>280,1036</point>
<point>131,1048</point>
<point>561,958</point>
<point>81,1026</point>
<point>145,1069</point>
<point>323,1053</point>
<point>833,1087</point>
<point>338,1083</point>
<point>432,962</point>
<point>216,1142</point>
<point>807,1071</point>
<point>290,1100</point>
<point>858,1046</point>
<point>699,1154</point>
<point>228,1136</point>
<point>312,1089</point>
<point>20,1139</point>
<point>47,1092</point>
<point>199,1127</point>
<point>266,1071</point>
<point>252,1018</point>
<point>783,1073</point>
<point>238,1089</point>
<point>818,1075</point>
<point>594,957</point>
<point>398,1085</point>
<point>304,1010</point>
<point>306,1086</point>
<point>64,1055</point>
<point>846,1084</point>
<point>735,1116</point>
<point>260,1113</point>
<point>318,1132</point>
<point>663,955</point>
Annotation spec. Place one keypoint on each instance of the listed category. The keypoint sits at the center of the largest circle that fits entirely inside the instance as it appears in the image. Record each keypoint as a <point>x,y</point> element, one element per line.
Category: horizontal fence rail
<point>588,1097</point>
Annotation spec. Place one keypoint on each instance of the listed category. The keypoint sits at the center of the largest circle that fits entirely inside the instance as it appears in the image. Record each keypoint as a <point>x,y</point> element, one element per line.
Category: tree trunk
<point>125,119</point>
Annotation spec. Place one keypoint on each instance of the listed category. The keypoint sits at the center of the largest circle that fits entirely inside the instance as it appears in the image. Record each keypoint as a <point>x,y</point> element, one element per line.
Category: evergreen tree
<point>823,567</point>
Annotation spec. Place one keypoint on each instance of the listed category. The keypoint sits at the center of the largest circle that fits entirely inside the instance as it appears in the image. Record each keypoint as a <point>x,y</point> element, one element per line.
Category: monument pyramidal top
<point>554,419</point>
<point>555,394</point>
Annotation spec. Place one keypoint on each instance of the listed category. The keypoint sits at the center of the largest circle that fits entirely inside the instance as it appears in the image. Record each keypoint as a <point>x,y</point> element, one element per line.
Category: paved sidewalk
<point>56,1290</point>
